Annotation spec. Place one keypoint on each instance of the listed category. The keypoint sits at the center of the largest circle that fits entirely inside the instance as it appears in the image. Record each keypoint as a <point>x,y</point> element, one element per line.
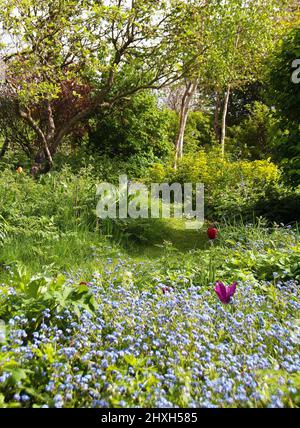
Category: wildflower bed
<point>143,340</point>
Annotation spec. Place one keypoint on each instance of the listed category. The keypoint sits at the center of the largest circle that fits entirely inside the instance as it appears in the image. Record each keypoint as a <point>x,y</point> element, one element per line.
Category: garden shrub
<point>284,96</point>
<point>280,205</point>
<point>254,138</point>
<point>140,127</point>
<point>231,188</point>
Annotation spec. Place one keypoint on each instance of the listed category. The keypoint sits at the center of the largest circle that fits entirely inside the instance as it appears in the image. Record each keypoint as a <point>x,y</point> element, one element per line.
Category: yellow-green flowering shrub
<point>230,187</point>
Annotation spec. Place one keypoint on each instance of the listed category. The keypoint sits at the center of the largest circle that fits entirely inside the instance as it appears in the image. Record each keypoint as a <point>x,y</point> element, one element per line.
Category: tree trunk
<point>4,148</point>
<point>217,128</point>
<point>43,139</point>
<point>48,156</point>
<point>226,101</point>
<point>184,111</point>
<point>224,117</point>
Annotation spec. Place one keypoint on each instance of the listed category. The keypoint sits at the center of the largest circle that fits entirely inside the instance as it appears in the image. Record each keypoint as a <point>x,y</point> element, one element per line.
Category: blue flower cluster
<point>145,347</point>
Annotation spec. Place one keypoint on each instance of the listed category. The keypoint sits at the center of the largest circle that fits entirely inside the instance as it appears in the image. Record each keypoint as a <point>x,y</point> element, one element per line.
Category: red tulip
<point>212,232</point>
<point>225,292</point>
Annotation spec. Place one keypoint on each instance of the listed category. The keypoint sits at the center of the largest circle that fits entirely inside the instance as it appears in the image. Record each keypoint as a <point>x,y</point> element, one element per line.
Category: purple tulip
<point>225,292</point>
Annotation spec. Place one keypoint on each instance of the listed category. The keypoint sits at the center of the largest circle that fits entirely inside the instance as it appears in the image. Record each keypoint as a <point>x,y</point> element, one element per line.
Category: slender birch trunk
<point>184,111</point>
<point>224,117</point>
<point>226,101</point>
<point>216,117</point>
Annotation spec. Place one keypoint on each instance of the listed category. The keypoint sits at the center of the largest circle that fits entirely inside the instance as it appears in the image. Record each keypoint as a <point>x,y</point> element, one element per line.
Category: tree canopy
<point>65,59</point>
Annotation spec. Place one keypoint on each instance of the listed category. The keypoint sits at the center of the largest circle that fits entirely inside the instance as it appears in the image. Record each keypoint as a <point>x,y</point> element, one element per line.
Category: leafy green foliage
<point>137,128</point>
<point>281,205</point>
<point>199,132</point>
<point>283,91</point>
<point>254,138</point>
<point>285,95</point>
<point>35,294</point>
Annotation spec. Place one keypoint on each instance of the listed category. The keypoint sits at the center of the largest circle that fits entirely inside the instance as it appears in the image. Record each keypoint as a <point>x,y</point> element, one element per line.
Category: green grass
<point>83,249</point>
<point>168,233</point>
<point>240,251</point>
<point>70,252</point>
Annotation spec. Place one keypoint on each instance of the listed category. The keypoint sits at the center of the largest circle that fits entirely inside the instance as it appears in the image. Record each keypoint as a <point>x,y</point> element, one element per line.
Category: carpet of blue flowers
<point>131,337</point>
